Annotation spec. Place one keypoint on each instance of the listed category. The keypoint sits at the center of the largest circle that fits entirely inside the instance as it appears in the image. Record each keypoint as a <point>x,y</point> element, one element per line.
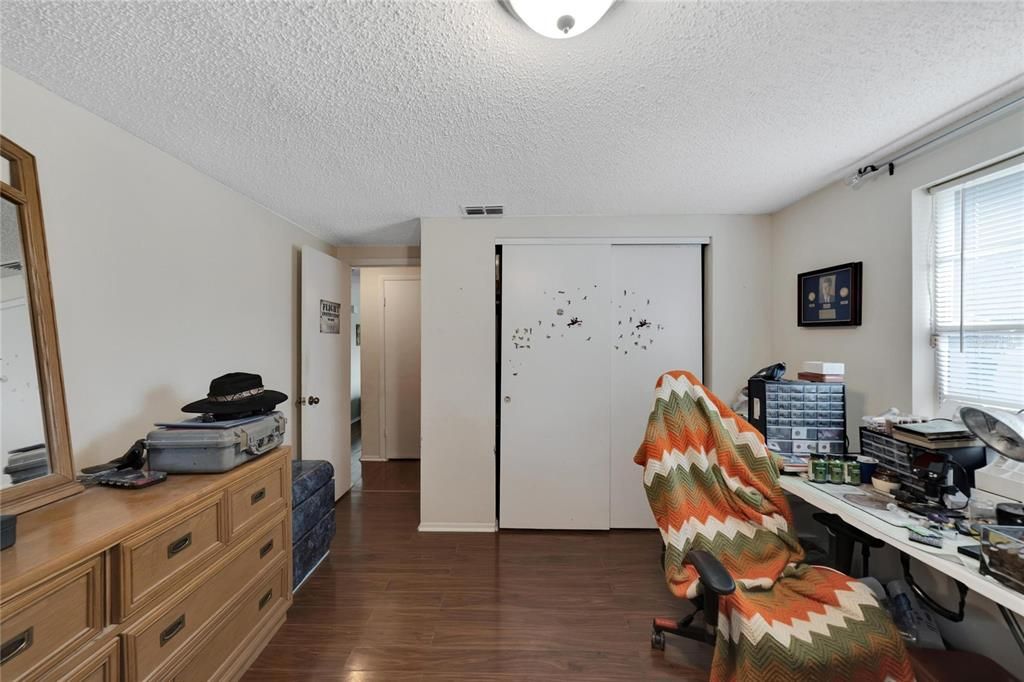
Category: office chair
<point>731,549</point>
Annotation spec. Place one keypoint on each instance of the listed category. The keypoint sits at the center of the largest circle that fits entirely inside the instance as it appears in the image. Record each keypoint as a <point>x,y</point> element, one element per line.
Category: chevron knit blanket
<point>713,485</point>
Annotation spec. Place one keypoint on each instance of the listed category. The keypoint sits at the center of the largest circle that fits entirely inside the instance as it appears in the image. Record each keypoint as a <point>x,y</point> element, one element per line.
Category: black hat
<point>236,393</point>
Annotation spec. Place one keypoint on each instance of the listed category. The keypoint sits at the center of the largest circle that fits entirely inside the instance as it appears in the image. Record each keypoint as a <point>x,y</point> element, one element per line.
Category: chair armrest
<point>713,575</point>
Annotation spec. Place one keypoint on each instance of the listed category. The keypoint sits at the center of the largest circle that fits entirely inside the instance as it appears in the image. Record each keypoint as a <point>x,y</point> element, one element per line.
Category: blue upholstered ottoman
<point>313,522</point>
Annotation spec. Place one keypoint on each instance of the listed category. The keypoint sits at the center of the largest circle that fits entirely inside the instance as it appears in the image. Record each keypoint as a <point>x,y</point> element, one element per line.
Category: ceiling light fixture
<point>559,18</point>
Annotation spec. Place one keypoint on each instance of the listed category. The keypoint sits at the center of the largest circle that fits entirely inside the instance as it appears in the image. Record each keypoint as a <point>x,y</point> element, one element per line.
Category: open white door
<point>326,391</point>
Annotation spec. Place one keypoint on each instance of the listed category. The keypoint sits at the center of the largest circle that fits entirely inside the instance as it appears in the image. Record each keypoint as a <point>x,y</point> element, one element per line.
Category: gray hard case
<point>213,451</point>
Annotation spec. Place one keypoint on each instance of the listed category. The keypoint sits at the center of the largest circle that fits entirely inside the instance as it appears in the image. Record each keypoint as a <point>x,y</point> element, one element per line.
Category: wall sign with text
<point>830,297</point>
<point>330,317</point>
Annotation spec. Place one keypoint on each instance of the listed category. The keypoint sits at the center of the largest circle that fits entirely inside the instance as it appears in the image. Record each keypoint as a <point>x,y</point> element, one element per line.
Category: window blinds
<point>978,289</point>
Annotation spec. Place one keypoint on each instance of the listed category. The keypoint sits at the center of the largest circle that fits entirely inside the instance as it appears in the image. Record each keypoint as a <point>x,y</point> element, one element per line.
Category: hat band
<point>235,396</point>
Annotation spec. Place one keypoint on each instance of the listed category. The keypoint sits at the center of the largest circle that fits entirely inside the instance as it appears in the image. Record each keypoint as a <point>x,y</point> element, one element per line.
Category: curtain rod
<point>871,169</point>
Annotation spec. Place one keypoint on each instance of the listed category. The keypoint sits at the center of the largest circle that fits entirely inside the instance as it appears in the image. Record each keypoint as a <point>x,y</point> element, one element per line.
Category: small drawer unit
<point>799,417</point>
<point>891,454</point>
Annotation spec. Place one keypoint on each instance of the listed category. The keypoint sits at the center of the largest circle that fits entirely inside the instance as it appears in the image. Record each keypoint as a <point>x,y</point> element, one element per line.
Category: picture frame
<point>830,297</point>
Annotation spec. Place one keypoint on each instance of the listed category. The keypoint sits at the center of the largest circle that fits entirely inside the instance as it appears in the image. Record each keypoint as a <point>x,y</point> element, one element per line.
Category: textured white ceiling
<point>354,118</point>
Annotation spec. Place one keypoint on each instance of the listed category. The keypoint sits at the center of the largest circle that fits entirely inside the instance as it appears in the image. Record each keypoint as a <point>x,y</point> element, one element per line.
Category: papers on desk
<point>868,500</point>
<point>962,569</point>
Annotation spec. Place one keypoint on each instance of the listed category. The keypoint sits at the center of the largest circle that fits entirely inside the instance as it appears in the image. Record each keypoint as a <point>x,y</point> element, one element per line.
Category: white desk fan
<point>1003,432</point>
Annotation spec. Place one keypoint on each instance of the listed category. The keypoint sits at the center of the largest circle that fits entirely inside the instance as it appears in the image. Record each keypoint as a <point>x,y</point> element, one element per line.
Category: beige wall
<point>371,290</point>
<point>458,342</point>
<point>378,255</point>
<point>888,362</point>
<point>162,277</point>
<point>873,224</point>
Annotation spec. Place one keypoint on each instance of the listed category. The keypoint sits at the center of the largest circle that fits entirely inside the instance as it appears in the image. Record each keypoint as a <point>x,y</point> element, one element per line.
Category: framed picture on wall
<point>830,297</point>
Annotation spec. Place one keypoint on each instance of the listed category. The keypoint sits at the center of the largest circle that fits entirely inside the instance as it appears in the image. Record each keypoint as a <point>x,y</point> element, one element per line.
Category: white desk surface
<point>946,560</point>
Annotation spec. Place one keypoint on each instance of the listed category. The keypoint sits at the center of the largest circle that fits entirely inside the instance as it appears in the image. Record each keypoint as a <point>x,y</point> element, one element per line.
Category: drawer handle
<point>258,496</point>
<point>265,599</point>
<point>173,629</point>
<point>179,544</point>
<point>265,549</point>
<point>15,645</point>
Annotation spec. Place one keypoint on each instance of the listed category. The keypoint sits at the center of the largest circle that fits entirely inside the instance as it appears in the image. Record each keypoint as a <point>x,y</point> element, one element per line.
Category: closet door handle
<point>265,599</point>
<point>265,549</point>
<point>179,544</point>
<point>15,645</point>
<point>173,629</point>
<point>258,496</point>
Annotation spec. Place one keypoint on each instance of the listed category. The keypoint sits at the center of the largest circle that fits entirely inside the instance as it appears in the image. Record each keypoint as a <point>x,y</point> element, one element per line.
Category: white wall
<point>162,277</point>
<point>370,301</point>
<point>458,345</point>
<point>888,362</point>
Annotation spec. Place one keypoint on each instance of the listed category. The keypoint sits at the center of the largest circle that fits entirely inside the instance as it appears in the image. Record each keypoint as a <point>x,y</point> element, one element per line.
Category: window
<point>977,288</point>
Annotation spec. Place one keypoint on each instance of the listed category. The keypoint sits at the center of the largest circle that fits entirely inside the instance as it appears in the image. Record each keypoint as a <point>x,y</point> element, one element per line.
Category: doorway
<point>386,377</point>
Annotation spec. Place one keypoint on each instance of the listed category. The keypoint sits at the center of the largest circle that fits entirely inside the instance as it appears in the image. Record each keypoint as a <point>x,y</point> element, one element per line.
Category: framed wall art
<point>830,297</point>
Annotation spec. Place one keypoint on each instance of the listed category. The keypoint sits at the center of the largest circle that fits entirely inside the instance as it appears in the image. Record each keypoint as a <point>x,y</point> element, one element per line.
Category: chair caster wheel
<point>658,641</point>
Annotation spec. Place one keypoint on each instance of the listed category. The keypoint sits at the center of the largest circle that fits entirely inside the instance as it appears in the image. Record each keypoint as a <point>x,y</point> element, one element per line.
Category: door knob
<point>311,400</point>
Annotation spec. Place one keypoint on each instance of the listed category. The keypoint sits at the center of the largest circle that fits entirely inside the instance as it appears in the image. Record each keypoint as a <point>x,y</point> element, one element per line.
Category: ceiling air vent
<point>483,210</point>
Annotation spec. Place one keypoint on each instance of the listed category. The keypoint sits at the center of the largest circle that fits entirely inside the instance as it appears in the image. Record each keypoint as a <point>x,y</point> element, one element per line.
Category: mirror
<point>35,448</point>
<point>22,432</point>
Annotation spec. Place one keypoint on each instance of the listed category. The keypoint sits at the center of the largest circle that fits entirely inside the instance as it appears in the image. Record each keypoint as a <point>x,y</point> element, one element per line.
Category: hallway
<point>390,603</point>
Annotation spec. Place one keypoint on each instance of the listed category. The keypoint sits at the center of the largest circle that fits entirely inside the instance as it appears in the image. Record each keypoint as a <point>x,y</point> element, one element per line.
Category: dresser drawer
<point>253,496</point>
<point>42,627</point>
<point>240,629</point>
<point>149,562</point>
<point>99,666</point>
<point>156,638</point>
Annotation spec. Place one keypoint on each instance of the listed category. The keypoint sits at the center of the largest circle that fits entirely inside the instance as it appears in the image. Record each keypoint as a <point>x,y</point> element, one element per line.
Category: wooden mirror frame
<point>60,482</point>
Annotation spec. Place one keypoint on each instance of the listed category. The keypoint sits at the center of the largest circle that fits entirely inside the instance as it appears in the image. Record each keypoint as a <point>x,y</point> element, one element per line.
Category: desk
<point>966,571</point>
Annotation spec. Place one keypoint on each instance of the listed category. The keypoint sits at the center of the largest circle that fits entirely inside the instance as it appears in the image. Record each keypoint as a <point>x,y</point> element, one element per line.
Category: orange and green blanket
<point>713,485</point>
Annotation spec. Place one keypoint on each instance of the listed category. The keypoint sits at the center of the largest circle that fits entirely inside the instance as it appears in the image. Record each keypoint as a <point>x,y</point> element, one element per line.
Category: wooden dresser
<point>185,580</point>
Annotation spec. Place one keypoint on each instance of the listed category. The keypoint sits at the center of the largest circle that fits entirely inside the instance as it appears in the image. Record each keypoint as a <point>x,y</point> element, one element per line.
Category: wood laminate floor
<point>391,603</point>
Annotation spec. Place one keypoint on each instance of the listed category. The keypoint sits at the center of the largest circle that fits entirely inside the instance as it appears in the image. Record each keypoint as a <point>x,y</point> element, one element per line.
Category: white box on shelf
<point>819,367</point>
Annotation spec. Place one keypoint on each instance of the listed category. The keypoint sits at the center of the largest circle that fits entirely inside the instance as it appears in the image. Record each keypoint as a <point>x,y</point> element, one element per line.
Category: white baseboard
<point>458,527</point>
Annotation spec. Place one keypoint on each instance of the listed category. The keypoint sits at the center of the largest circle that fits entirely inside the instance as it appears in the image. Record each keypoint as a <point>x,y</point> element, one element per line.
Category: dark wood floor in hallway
<point>391,603</point>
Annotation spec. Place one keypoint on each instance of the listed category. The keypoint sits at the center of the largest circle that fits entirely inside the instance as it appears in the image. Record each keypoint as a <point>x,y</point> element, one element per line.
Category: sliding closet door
<point>555,331</point>
<point>656,326</point>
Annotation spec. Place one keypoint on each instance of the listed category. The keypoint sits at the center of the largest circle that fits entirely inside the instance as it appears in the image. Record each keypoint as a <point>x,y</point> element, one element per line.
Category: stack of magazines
<point>938,434</point>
